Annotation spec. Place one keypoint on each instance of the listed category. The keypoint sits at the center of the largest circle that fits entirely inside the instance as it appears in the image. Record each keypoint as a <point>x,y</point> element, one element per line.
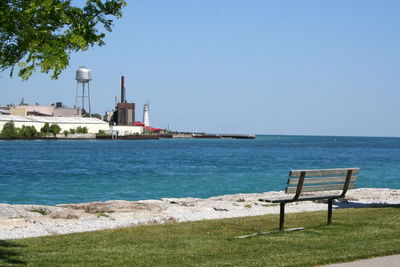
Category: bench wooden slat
<point>302,198</point>
<point>316,188</point>
<point>322,180</point>
<point>323,172</point>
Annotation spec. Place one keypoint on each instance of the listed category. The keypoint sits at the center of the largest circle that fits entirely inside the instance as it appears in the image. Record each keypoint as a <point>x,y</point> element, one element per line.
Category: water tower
<point>83,76</point>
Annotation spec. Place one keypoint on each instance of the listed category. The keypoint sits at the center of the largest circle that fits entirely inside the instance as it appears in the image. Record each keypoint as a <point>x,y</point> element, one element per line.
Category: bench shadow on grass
<point>345,204</point>
<point>7,255</point>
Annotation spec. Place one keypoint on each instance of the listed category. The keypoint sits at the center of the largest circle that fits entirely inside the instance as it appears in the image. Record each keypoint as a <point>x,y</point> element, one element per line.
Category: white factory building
<point>66,123</point>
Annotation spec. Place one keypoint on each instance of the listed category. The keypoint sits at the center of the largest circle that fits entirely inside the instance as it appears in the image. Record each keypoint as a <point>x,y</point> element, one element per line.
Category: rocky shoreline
<point>23,221</point>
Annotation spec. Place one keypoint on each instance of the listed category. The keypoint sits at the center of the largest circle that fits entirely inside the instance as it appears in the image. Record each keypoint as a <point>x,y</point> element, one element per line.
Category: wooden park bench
<point>321,181</point>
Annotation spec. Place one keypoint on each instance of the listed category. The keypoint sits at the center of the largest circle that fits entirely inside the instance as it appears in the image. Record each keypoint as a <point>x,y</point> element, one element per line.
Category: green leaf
<point>42,34</point>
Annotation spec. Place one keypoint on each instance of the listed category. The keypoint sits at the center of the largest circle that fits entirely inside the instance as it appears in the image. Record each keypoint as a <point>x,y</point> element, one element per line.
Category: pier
<point>239,136</point>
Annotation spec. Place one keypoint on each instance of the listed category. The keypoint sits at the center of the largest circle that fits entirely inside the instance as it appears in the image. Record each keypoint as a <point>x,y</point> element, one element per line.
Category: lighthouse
<point>146,120</point>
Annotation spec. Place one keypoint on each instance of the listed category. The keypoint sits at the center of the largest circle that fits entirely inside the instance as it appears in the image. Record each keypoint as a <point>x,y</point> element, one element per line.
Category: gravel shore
<point>23,221</point>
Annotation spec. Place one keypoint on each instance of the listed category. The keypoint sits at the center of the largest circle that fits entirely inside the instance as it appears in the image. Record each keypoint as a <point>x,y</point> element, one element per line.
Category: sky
<point>239,66</point>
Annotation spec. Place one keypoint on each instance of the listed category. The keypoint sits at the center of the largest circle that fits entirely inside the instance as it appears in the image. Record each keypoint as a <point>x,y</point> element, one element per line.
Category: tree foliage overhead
<point>42,33</point>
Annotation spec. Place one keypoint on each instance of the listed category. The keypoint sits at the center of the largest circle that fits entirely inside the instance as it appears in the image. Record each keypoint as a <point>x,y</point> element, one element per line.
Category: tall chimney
<point>122,89</point>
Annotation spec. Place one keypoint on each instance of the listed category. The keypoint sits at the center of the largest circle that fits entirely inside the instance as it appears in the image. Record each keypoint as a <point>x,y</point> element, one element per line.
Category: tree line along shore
<point>10,132</point>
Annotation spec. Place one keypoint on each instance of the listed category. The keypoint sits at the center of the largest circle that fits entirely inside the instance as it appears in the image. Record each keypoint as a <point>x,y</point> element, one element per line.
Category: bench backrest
<point>321,180</point>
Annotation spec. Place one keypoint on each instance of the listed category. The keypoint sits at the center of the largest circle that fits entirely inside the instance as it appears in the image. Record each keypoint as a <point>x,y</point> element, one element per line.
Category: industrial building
<point>124,113</point>
<point>4,110</point>
<point>120,122</point>
<point>56,110</point>
<point>66,123</point>
<point>122,130</point>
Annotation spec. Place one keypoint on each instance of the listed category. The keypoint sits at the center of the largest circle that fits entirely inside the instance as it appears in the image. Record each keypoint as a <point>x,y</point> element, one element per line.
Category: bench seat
<point>302,198</point>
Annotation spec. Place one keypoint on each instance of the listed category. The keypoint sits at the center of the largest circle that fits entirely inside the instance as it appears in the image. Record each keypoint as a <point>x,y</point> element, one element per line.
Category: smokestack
<point>123,89</point>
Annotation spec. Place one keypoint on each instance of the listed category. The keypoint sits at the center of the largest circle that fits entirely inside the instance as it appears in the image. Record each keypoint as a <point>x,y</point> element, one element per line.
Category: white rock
<point>22,221</point>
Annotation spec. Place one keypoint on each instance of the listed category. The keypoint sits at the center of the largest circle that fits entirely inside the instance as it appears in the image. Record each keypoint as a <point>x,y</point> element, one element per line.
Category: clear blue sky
<point>264,67</point>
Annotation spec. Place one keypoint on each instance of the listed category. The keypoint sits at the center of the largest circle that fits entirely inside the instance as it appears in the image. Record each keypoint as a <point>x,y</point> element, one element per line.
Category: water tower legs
<point>90,112</point>
<point>83,96</point>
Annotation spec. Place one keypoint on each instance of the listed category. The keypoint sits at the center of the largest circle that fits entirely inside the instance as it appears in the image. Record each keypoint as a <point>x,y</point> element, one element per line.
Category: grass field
<point>354,234</point>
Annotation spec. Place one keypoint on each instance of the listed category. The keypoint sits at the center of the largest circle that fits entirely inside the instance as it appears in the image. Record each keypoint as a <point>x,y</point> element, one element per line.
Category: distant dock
<point>225,136</point>
<point>239,136</point>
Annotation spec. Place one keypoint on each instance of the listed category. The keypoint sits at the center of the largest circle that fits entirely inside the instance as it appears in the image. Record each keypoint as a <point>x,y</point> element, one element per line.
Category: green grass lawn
<point>354,234</point>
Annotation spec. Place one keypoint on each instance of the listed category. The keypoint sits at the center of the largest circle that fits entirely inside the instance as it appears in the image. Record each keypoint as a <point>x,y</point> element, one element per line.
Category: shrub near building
<point>53,129</point>
<point>11,132</point>
<point>45,129</point>
<point>81,130</point>
<point>102,133</point>
<point>28,131</point>
<point>78,130</point>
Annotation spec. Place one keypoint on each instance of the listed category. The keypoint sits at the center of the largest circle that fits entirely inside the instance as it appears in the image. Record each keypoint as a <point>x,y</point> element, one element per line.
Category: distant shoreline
<point>132,137</point>
<point>186,137</point>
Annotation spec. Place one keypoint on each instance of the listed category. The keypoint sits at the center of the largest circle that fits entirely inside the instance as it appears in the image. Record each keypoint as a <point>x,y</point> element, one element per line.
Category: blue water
<point>54,172</point>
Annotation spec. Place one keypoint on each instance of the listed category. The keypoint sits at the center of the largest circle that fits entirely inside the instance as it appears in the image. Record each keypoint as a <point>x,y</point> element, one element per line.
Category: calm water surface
<point>54,172</point>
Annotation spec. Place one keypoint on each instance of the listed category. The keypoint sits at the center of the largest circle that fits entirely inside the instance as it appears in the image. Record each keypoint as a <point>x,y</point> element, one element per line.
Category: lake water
<point>64,171</point>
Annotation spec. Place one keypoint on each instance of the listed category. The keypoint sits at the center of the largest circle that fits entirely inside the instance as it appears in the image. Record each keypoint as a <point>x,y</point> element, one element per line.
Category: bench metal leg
<point>282,218</point>
<point>330,211</point>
